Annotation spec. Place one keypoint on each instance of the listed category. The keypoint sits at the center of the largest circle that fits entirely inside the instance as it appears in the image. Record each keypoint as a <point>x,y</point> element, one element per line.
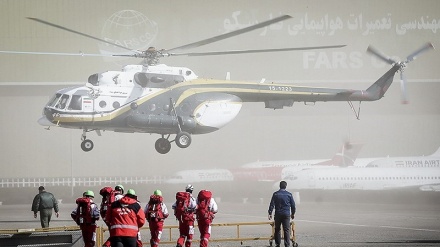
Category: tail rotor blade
<point>380,55</point>
<point>422,49</point>
<point>403,88</point>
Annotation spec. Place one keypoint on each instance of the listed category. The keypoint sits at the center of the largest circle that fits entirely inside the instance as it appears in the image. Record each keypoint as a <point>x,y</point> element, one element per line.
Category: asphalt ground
<point>321,223</point>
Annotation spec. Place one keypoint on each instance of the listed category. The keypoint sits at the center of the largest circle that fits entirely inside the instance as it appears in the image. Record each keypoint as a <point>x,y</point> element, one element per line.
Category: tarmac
<point>317,223</point>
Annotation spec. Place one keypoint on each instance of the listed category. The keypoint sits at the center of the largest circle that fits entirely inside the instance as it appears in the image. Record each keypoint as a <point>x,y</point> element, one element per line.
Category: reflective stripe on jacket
<point>125,217</point>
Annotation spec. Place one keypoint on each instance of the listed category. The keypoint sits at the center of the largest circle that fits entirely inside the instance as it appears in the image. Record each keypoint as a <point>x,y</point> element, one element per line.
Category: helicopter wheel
<point>162,145</point>
<point>183,139</point>
<point>86,145</point>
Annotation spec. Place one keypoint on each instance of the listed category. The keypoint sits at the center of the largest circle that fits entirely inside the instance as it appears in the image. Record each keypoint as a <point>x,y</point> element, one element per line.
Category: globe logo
<point>128,28</point>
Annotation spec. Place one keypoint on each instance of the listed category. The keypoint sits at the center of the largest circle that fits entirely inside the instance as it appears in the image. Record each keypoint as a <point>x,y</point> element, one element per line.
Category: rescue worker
<point>282,201</point>
<point>119,192</point>
<point>109,196</point>
<point>44,202</point>
<point>85,215</point>
<point>186,222</point>
<point>206,208</point>
<point>156,212</point>
<point>125,217</point>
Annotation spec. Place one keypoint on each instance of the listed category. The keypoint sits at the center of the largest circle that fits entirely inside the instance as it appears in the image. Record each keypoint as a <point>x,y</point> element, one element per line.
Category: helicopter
<point>155,98</point>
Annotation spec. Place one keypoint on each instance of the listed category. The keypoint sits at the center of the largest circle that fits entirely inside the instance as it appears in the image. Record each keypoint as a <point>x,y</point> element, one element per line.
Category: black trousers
<point>285,221</point>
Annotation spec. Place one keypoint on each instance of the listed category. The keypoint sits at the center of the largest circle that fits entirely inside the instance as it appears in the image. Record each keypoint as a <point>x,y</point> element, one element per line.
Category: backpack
<point>83,211</point>
<point>203,210</point>
<point>181,211</point>
<point>154,210</point>
<point>105,204</point>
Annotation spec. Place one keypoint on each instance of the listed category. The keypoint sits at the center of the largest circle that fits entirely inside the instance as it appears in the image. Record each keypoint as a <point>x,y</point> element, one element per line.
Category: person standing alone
<point>284,205</point>
<point>44,202</point>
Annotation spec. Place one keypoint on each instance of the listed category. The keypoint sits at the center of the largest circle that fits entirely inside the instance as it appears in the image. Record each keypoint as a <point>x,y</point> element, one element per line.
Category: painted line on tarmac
<point>360,225</point>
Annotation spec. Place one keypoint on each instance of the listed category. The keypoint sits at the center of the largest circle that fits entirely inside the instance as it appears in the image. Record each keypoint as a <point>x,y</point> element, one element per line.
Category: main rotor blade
<point>380,55</point>
<point>252,51</point>
<point>422,49</point>
<point>79,33</point>
<point>230,34</point>
<point>58,53</point>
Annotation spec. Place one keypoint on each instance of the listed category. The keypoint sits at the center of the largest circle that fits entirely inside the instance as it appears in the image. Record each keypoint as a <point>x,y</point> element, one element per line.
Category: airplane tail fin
<point>436,153</point>
<point>346,156</point>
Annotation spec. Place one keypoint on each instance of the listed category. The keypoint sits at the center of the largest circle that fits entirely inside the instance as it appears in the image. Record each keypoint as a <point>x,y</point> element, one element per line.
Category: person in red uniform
<point>184,209</point>
<point>156,212</point>
<point>109,195</point>
<point>85,215</point>
<point>206,208</point>
<point>125,217</point>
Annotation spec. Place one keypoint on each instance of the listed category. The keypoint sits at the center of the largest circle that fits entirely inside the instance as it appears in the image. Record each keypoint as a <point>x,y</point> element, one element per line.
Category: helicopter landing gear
<point>86,144</point>
<point>162,145</point>
<point>183,139</point>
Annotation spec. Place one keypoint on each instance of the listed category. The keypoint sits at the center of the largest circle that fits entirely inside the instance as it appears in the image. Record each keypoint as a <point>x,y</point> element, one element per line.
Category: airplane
<point>432,160</point>
<point>346,156</point>
<point>156,98</point>
<point>267,171</point>
<point>379,174</point>
<point>200,175</point>
<point>365,178</point>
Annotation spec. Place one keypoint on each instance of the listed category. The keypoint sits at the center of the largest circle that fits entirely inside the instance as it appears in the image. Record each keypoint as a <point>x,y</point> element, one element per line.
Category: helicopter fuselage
<point>172,100</point>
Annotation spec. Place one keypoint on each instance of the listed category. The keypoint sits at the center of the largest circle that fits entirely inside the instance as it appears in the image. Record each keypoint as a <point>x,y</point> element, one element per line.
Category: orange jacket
<point>125,217</point>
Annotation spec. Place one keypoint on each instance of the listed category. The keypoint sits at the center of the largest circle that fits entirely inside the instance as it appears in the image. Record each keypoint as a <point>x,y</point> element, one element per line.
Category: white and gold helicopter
<point>155,98</point>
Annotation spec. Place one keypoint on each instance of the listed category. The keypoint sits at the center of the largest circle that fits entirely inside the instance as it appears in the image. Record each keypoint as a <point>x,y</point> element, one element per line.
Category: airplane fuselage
<point>354,178</point>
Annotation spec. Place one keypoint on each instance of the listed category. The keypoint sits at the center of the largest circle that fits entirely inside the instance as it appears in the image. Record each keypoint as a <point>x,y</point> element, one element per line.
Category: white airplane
<point>267,171</point>
<point>346,156</point>
<point>205,175</point>
<point>365,178</point>
<point>432,160</point>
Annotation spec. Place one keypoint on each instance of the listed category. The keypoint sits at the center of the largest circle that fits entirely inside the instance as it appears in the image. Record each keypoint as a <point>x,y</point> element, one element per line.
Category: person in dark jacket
<point>45,202</point>
<point>284,205</point>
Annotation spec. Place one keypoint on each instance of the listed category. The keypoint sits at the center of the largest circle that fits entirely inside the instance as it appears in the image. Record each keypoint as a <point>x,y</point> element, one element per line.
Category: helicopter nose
<point>47,112</point>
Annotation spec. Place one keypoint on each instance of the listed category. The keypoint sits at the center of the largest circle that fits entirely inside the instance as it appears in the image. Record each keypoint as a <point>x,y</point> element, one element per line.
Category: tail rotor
<point>401,64</point>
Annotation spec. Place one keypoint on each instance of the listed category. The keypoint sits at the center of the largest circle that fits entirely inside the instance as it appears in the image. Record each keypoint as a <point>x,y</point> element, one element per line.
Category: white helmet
<point>189,188</point>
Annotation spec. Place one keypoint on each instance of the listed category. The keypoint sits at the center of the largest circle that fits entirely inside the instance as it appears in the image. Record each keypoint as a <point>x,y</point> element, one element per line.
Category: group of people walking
<point>124,216</point>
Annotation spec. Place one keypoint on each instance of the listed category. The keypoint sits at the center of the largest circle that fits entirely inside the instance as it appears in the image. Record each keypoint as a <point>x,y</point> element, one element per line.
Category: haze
<point>386,127</point>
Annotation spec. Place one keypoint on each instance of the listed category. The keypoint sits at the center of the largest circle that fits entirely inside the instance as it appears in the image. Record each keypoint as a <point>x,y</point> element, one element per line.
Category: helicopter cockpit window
<point>63,101</point>
<point>75,103</point>
<point>54,100</point>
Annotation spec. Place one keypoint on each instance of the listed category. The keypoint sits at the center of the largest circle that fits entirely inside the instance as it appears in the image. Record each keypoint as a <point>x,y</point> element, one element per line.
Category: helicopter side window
<point>75,103</point>
<point>63,101</point>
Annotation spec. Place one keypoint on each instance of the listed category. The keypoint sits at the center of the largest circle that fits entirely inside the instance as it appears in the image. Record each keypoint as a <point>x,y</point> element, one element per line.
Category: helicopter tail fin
<point>378,89</point>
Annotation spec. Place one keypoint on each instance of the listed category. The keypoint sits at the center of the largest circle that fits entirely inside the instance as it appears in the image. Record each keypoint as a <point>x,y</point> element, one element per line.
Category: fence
<point>78,181</point>
<point>242,231</point>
